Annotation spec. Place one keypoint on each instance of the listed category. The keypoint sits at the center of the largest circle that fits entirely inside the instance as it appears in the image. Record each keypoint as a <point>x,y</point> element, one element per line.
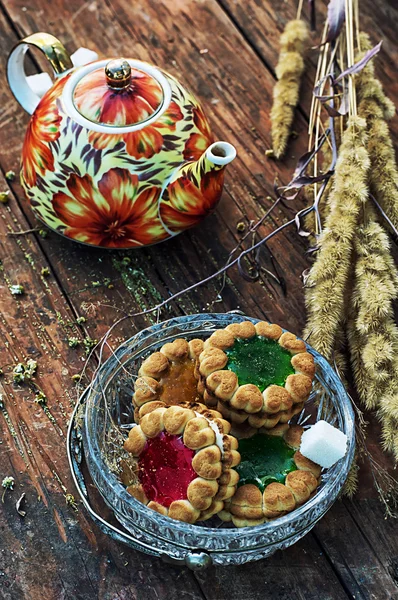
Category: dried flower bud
<point>17,289</point>
<point>4,197</point>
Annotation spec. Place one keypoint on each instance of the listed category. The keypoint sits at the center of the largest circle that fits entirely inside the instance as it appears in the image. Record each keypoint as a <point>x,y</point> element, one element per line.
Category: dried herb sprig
<point>290,67</point>
<point>328,277</point>
<point>7,484</point>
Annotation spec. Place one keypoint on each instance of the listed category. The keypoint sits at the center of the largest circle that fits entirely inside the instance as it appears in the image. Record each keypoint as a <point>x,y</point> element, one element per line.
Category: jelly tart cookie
<point>256,373</point>
<point>185,461</point>
<point>167,377</point>
<point>275,477</point>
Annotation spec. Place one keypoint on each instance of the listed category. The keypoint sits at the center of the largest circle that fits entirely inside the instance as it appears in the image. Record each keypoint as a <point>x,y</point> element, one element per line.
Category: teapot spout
<point>195,188</point>
<point>220,153</point>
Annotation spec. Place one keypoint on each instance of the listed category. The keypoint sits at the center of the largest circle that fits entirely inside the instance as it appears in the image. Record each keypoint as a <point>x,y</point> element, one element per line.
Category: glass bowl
<point>107,402</point>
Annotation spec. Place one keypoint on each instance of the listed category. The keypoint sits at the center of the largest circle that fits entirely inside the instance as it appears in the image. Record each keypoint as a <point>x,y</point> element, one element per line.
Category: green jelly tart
<point>275,477</point>
<point>265,459</point>
<point>256,373</point>
<point>260,361</point>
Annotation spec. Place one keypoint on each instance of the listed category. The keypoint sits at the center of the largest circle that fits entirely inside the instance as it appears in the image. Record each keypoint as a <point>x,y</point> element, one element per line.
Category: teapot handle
<point>55,54</point>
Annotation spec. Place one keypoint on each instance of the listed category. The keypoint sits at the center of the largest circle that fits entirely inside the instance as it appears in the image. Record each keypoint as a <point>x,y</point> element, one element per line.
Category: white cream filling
<point>219,436</point>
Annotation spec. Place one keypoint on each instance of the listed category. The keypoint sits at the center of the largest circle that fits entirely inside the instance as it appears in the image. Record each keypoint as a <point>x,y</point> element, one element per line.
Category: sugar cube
<point>42,82</point>
<point>323,444</point>
<point>83,56</point>
<point>39,83</point>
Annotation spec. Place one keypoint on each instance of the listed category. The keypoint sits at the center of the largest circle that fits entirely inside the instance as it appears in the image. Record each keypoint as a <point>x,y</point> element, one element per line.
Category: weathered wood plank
<point>358,563</point>
<point>249,183</point>
<point>366,532</point>
<point>300,572</point>
<point>172,34</point>
<point>262,23</point>
<point>54,552</point>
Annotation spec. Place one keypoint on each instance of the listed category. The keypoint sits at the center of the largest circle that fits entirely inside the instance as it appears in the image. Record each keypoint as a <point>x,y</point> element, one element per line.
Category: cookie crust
<point>249,506</point>
<point>240,403</point>
<point>205,432</point>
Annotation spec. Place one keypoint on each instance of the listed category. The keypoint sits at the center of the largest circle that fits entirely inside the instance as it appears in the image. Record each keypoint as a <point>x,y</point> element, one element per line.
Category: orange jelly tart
<point>256,374</point>
<point>167,377</point>
<point>275,477</point>
<point>185,461</point>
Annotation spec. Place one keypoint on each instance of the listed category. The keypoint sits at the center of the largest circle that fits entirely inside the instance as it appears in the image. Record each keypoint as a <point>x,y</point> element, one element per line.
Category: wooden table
<point>225,51</point>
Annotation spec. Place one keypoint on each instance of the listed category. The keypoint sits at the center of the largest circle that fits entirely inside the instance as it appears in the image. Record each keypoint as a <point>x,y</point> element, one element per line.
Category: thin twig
<point>25,232</point>
<point>299,9</point>
<point>383,214</point>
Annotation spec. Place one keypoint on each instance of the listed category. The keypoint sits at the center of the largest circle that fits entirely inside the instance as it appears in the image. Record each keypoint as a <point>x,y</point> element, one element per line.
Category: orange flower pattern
<point>37,156</point>
<point>144,142</point>
<point>188,204</point>
<point>99,103</point>
<point>113,216</point>
<point>105,189</point>
<point>199,141</point>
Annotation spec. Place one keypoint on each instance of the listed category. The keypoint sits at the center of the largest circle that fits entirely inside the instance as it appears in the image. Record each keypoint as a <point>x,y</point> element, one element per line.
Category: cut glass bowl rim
<point>337,473</point>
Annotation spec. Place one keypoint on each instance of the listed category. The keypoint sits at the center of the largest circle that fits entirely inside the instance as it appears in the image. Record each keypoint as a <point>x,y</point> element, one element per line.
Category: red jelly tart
<point>185,458</point>
<point>165,469</point>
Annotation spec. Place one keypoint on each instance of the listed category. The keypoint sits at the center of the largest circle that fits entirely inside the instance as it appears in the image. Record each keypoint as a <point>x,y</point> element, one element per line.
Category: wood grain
<point>253,19</point>
<point>248,184</point>
<point>56,552</point>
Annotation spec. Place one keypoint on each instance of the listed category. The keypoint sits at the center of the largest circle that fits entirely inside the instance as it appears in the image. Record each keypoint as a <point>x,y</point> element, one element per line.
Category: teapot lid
<point>119,95</point>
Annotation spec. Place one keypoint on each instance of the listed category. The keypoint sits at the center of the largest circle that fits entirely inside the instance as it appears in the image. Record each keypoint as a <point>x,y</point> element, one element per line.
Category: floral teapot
<point>118,153</point>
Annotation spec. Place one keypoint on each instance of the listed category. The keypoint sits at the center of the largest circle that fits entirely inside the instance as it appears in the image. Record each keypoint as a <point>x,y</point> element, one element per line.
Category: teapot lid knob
<point>118,73</point>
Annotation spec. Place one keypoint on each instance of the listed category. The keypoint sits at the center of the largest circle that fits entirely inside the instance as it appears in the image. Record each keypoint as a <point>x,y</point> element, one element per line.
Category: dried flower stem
<point>311,220</point>
<point>299,9</point>
<point>289,70</point>
<point>325,65</point>
<point>25,232</point>
<point>349,20</point>
<point>314,100</point>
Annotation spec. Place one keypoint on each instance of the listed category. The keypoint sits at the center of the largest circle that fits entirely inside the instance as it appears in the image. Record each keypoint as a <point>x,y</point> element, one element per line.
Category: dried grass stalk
<point>340,364</point>
<point>366,391</point>
<point>388,413</point>
<point>289,70</point>
<point>368,86</point>
<point>351,484</point>
<point>389,436</point>
<point>373,334</point>
<point>376,108</point>
<point>323,207</point>
<point>327,281</point>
